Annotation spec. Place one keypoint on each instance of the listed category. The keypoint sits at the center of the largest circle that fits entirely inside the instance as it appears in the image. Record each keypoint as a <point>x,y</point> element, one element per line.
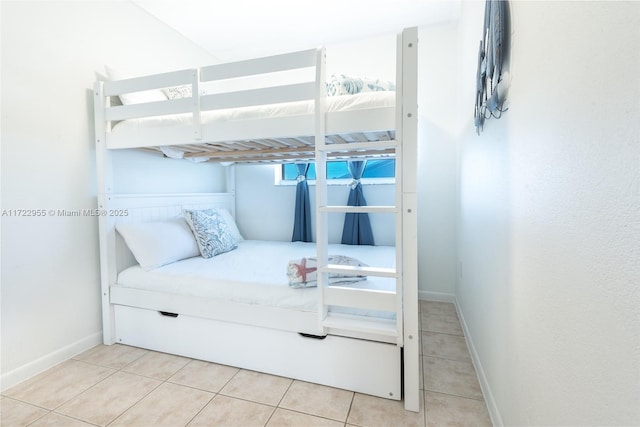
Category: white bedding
<point>255,273</point>
<point>361,101</point>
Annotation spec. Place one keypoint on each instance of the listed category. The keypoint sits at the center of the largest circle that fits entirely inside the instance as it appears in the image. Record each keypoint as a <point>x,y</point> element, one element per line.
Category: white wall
<point>371,57</point>
<point>52,52</point>
<point>136,171</point>
<point>549,219</point>
<point>437,160</point>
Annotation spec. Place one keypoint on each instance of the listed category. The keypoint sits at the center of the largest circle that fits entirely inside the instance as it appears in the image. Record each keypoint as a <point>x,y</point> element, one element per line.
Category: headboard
<point>137,208</point>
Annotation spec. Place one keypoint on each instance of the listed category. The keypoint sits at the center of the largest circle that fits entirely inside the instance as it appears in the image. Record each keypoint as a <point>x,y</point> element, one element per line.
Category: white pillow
<point>135,97</point>
<point>157,243</point>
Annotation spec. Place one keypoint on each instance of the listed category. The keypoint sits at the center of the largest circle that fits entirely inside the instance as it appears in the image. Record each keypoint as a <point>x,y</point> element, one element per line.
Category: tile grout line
<point>311,415</point>
<point>45,373</point>
<point>279,402</point>
<point>85,390</point>
<point>201,409</point>
<point>307,413</point>
<point>133,405</point>
<point>426,331</point>
<point>450,394</point>
<point>162,382</point>
<point>424,405</point>
<point>39,418</point>
<point>447,358</point>
<point>27,403</point>
<point>136,402</point>
<point>456,395</point>
<point>75,418</point>
<point>142,376</point>
<point>230,379</point>
<point>144,352</point>
<point>353,397</point>
<point>216,393</point>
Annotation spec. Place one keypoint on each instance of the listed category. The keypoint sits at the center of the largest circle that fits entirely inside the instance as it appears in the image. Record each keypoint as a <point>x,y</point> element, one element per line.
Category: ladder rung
<point>352,270</point>
<point>360,209</point>
<point>361,324</point>
<point>368,299</point>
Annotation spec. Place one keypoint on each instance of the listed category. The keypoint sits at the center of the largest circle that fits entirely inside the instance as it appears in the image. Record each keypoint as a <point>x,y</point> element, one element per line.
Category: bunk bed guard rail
<point>212,88</point>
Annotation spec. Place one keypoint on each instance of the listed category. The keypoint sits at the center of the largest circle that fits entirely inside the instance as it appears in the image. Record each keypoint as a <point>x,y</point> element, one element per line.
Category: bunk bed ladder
<point>403,330</point>
<point>385,301</point>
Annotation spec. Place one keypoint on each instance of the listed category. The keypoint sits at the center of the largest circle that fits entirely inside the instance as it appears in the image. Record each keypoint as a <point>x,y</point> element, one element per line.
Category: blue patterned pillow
<point>178,92</point>
<point>212,232</point>
<point>339,84</point>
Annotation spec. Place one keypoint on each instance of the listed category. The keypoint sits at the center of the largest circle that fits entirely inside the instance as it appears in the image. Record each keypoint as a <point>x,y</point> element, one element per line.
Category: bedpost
<point>322,221</point>
<point>230,186</point>
<point>195,97</point>
<point>106,224</point>
<point>408,126</point>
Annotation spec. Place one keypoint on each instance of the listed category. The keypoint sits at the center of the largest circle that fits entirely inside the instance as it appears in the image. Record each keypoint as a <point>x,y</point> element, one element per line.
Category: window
<point>376,171</point>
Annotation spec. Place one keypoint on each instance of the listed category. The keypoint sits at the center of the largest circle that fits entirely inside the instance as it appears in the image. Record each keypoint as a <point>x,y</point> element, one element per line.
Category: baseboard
<point>494,413</point>
<point>436,296</point>
<point>50,360</point>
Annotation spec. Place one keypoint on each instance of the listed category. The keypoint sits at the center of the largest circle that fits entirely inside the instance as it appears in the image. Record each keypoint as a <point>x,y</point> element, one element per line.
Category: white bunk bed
<point>373,353</point>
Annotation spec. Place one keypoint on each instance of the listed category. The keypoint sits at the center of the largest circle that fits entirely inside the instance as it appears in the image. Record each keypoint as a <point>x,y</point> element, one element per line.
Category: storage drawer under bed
<point>354,364</point>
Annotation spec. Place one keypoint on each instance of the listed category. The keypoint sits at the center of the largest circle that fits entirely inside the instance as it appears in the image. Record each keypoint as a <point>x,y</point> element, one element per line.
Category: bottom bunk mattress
<point>256,274</point>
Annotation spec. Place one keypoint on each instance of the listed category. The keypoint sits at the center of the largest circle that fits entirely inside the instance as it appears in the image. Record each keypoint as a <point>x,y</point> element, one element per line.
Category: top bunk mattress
<point>342,103</point>
<point>255,273</point>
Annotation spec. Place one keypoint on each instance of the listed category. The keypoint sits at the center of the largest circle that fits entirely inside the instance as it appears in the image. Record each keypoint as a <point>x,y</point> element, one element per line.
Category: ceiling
<point>239,29</point>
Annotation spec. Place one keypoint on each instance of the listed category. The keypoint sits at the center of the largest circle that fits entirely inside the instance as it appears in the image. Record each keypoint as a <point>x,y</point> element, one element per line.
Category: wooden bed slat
<point>281,150</point>
<point>293,157</point>
<point>266,153</point>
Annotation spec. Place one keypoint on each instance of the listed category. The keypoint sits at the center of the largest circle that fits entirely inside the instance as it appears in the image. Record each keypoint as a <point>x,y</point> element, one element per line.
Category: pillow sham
<point>231,223</point>
<point>158,243</point>
<point>134,97</point>
<point>213,235</point>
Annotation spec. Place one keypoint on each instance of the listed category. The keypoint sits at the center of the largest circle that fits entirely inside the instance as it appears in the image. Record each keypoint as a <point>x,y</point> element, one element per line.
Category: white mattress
<point>359,101</point>
<point>255,273</point>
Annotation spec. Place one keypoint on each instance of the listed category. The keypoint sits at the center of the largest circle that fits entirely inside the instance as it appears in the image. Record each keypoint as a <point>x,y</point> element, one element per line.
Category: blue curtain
<point>357,228</point>
<point>302,215</point>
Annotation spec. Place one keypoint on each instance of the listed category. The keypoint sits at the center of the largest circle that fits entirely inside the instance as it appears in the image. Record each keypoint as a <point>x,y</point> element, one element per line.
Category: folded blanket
<point>302,273</point>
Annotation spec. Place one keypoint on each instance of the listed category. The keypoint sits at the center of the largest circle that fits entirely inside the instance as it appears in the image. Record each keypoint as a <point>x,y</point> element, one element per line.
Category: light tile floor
<point>125,386</point>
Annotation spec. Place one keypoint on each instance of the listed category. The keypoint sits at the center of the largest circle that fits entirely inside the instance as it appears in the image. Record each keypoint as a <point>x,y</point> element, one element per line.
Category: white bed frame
<point>364,355</point>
